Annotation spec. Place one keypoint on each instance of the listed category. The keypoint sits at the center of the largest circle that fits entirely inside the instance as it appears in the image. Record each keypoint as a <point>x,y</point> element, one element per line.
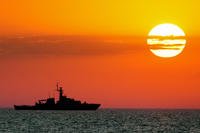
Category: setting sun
<point>166,40</point>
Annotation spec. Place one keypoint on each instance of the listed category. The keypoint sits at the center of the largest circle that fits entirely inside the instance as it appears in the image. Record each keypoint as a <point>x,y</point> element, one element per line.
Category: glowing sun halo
<point>166,40</point>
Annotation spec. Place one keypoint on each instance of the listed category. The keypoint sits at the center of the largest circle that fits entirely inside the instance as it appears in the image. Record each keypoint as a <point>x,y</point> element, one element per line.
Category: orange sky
<point>98,50</point>
<point>96,17</point>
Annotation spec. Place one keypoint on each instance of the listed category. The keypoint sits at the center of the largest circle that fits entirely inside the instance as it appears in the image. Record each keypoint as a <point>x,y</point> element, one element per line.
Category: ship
<point>63,103</point>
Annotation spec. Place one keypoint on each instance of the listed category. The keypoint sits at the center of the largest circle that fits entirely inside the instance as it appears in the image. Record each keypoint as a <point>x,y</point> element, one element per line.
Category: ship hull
<point>56,107</point>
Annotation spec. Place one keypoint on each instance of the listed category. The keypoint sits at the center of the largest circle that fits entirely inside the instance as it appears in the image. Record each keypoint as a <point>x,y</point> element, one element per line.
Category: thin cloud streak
<point>67,45</point>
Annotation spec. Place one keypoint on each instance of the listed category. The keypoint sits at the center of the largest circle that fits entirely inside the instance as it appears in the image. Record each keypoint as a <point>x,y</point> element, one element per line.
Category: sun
<point>166,40</point>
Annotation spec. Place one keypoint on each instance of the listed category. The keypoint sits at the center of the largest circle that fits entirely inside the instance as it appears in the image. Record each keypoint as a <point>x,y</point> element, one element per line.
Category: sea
<point>100,121</point>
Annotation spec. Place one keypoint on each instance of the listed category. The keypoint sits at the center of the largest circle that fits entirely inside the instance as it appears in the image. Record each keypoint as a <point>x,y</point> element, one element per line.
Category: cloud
<point>166,47</point>
<point>67,45</point>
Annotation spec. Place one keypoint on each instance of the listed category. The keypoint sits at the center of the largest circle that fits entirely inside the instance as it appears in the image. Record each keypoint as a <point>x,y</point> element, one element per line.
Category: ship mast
<point>60,90</point>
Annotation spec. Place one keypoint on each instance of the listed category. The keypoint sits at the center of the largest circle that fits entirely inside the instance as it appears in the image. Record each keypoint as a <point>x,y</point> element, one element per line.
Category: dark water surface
<point>101,121</point>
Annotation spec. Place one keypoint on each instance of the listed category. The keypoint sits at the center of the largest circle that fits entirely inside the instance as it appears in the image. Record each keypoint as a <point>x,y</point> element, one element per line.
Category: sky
<point>97,51</point>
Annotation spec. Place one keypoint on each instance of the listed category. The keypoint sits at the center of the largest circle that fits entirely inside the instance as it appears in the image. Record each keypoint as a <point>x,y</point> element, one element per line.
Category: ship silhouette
<point>63,103</point>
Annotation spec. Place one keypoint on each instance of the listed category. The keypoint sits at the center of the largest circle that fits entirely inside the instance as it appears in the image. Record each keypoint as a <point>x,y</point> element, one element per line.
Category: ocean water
<point>100,121</point>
